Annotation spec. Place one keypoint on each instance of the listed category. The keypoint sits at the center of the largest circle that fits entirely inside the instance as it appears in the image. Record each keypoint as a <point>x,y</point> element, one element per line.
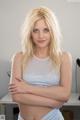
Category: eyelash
<point>35,30</point>
<point>45,30</point>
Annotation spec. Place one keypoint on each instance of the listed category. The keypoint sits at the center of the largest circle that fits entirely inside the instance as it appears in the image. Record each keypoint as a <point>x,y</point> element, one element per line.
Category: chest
<point>41,73</point>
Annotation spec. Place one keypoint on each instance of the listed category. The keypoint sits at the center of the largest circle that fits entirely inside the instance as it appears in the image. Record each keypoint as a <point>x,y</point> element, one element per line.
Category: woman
<point>42,73</point>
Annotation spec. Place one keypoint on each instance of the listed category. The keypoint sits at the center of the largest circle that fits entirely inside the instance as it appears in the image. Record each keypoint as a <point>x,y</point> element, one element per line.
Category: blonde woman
<point>41,73</point>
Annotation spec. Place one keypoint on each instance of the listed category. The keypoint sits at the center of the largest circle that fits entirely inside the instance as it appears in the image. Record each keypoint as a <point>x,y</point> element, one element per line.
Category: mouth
<point>41,41</point>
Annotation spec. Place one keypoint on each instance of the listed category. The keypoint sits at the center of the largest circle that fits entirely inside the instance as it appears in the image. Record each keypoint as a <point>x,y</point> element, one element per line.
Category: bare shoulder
<point>66,57</point>
<point>17,56</point>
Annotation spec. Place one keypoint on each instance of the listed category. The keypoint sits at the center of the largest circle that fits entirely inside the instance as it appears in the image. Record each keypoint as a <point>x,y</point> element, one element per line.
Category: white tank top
<point>41,72</point>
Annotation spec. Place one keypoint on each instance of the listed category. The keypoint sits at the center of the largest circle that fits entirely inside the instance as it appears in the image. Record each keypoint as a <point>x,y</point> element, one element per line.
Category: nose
<point>41,34</point>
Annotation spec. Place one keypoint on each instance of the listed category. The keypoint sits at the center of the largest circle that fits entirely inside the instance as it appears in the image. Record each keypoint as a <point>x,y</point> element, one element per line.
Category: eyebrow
<point>38,28</point>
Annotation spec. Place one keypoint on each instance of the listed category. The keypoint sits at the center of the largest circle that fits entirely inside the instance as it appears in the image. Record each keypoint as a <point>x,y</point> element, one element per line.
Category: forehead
<point>40,24</point>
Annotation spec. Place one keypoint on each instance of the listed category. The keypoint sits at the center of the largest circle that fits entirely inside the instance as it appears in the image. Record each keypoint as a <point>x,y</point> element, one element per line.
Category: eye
<point>46,30</point>
<point>35,30</point>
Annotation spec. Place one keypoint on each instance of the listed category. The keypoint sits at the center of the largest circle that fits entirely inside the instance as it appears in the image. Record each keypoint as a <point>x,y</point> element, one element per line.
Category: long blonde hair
<point>27,44</point>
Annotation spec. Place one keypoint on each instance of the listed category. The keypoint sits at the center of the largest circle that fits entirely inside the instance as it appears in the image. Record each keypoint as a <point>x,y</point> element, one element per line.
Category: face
<point>41,34</point>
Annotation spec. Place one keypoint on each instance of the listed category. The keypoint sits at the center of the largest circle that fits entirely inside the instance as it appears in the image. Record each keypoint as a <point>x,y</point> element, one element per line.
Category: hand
<point>19,86</point>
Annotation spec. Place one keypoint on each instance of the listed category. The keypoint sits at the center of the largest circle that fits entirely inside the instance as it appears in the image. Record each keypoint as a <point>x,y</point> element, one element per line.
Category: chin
<point>42,46</point>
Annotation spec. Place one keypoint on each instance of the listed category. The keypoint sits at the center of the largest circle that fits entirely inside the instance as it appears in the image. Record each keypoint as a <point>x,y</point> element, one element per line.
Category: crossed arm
<point>31,95</point>
<point>19,94</point>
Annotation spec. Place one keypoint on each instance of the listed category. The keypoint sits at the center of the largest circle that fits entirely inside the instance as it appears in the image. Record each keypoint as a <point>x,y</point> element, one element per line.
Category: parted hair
<point>28,47</point>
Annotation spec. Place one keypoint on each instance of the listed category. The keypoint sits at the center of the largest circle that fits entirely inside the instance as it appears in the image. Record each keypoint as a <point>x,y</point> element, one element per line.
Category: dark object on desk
<point>79,98</point>
<point>78,61</point>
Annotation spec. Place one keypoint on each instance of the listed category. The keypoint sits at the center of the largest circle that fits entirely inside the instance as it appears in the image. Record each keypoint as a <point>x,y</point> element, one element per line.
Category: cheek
<point>34,39</point>
<point>34,36</point>
<point>48,37</point>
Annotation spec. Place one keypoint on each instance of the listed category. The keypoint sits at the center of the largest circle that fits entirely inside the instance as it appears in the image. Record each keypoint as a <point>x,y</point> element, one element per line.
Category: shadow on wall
<point>4,78</point>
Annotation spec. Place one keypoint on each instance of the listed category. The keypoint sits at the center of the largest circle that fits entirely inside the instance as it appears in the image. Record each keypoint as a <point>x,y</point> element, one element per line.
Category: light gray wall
<point>12,14</point>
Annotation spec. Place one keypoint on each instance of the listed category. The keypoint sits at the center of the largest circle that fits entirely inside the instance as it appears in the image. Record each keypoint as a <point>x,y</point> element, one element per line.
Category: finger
<point>12,87</point>
<point>13,92</point>
<point>11,84</point>
<point>18,79</point>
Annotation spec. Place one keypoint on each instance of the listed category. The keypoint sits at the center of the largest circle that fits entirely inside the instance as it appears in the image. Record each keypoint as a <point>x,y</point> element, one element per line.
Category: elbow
<point>66,97</point>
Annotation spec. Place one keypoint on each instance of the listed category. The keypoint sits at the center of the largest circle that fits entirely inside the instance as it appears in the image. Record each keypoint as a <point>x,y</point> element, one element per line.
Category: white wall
<point>12,14</point>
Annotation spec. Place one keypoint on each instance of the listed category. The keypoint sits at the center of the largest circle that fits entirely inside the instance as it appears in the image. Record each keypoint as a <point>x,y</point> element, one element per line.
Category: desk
<point>7,106</point>
<point>7,102</point>
<point>73,101</point>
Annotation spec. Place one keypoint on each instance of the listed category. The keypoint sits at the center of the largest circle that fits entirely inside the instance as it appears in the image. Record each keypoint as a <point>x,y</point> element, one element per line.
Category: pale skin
<point>34,101</point>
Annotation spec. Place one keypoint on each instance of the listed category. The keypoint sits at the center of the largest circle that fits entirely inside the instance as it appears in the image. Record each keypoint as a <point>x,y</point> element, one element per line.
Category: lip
<point>41,40</point>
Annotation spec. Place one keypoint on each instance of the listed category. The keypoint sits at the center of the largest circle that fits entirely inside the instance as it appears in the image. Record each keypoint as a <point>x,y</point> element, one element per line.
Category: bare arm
<point>28,98</point>
<point>61,92</point>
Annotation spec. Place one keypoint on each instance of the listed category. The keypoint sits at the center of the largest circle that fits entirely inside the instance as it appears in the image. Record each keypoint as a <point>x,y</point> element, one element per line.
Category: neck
<point>41,52</point>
